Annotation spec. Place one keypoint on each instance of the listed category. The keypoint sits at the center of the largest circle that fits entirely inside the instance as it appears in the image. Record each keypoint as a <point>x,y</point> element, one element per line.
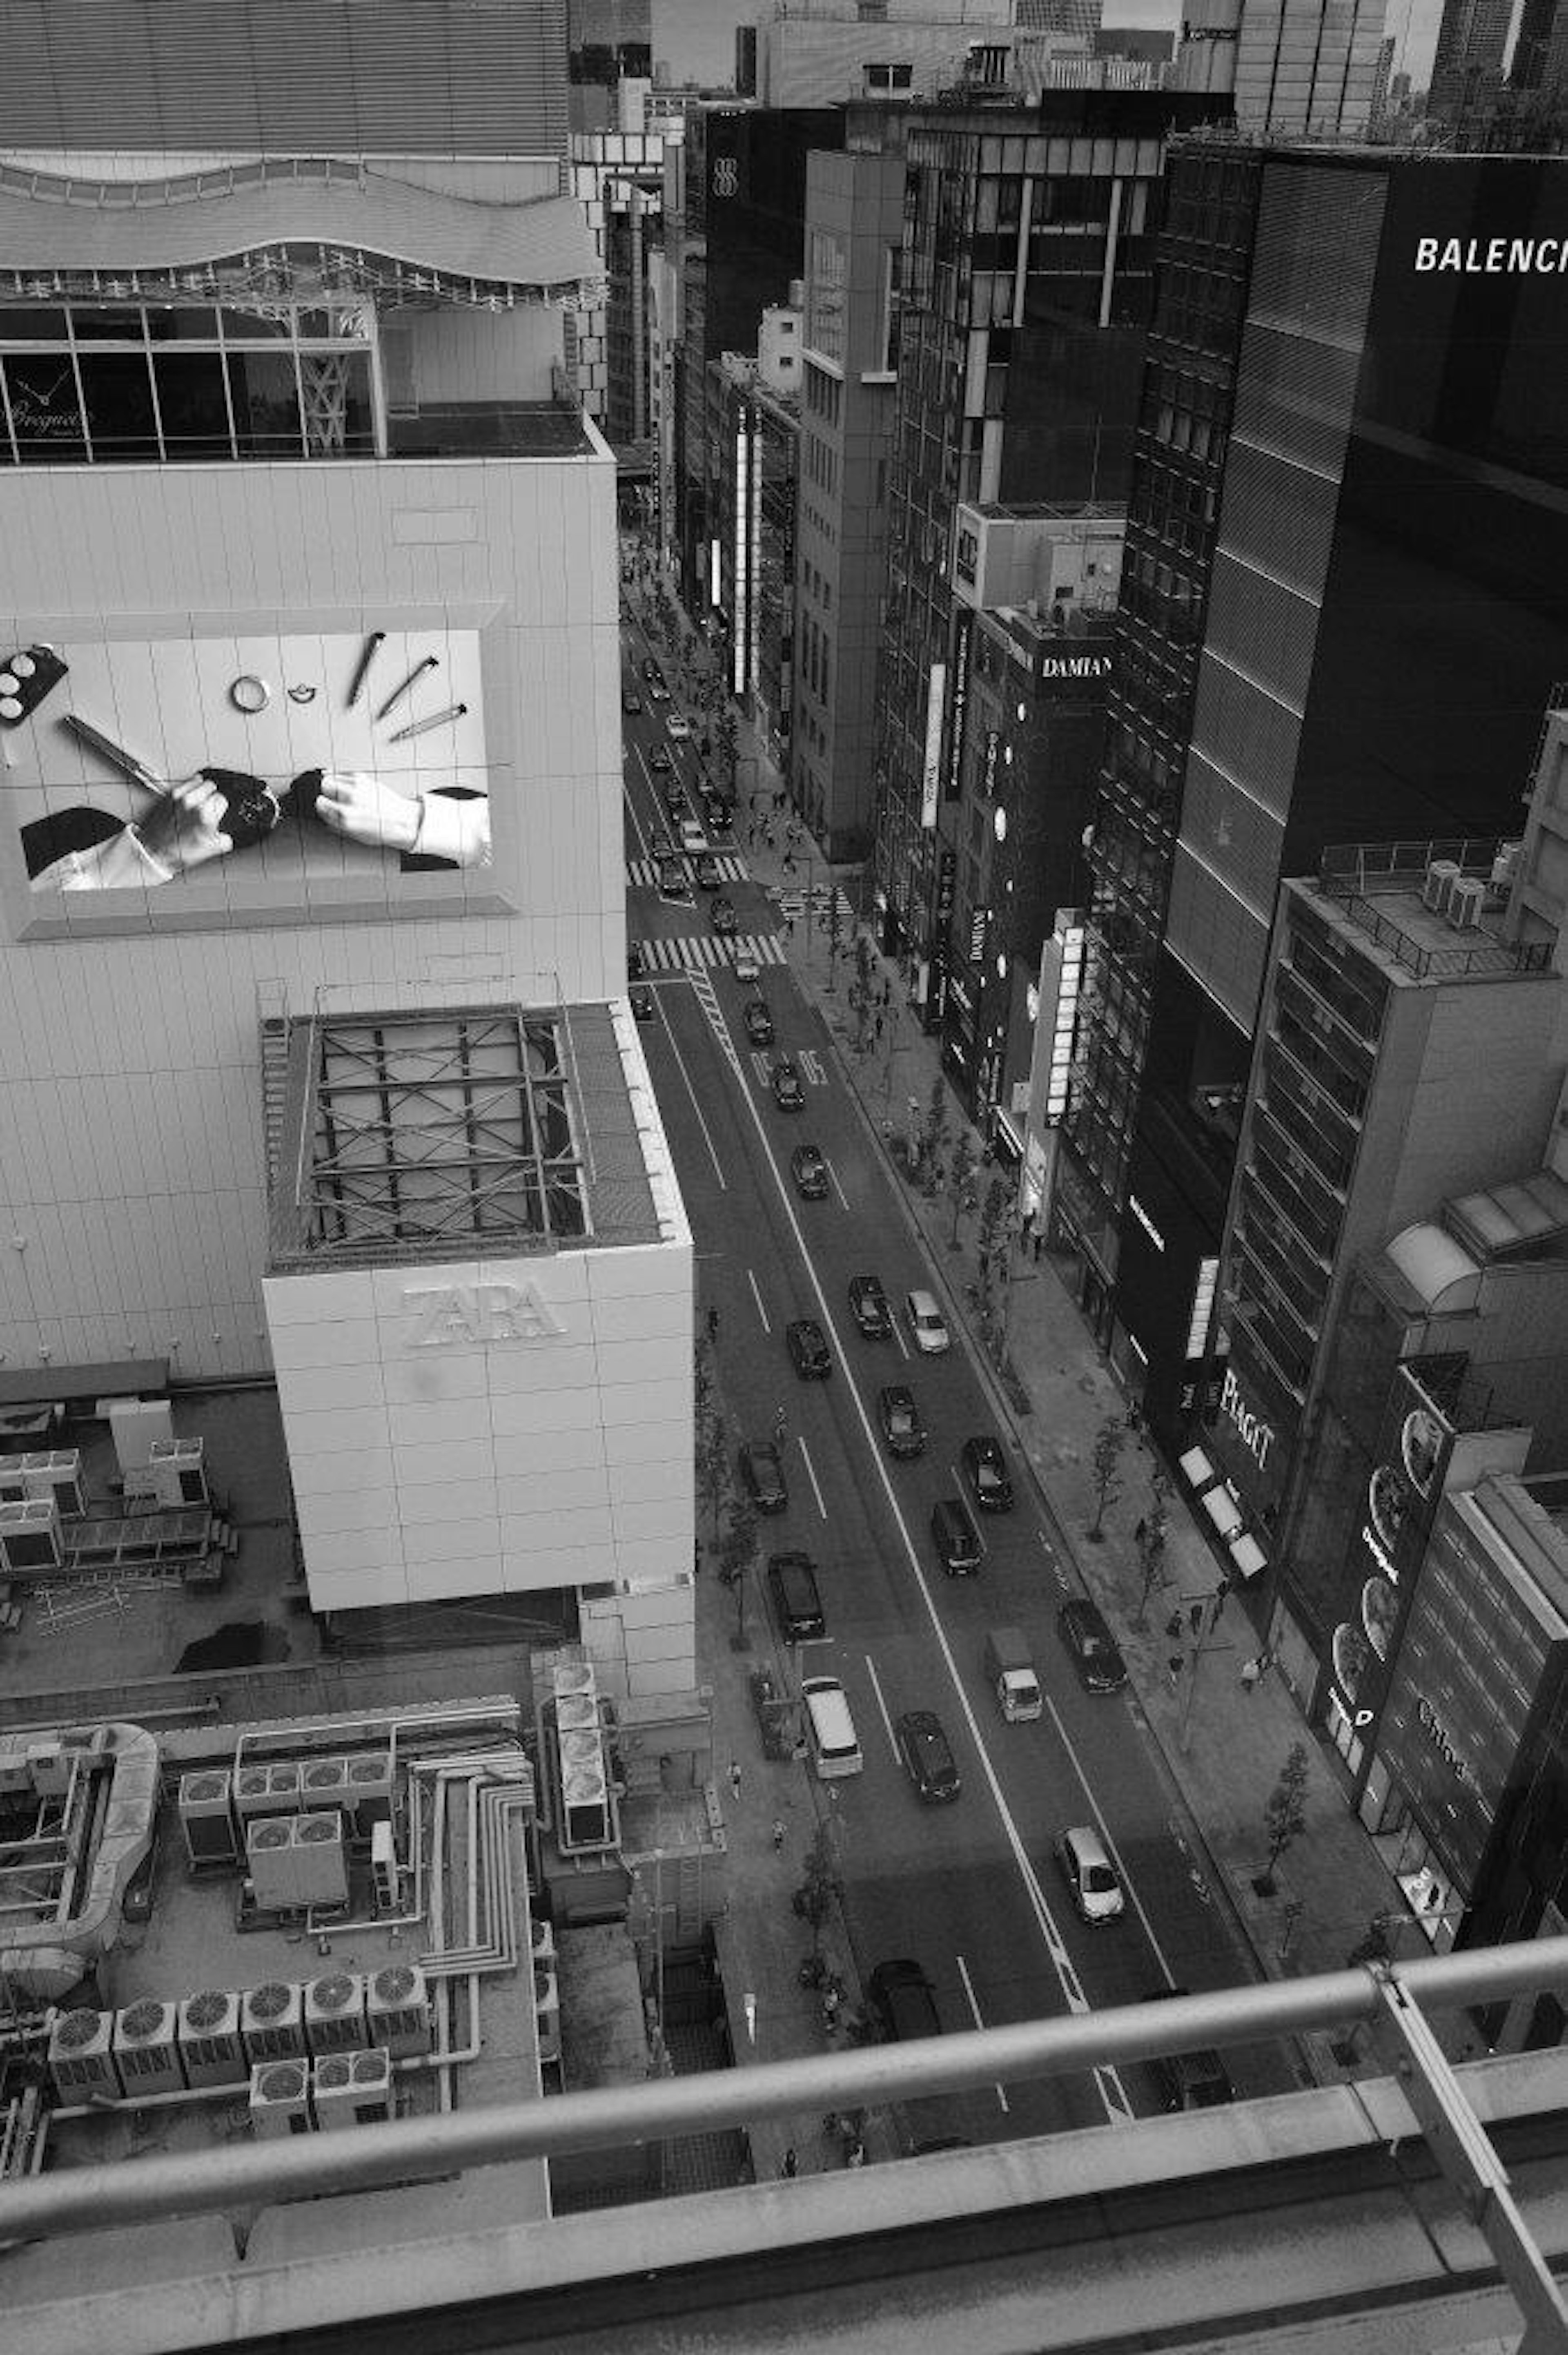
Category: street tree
<point>934,1131</point>
<point>1104,1466</point>
<point>958,1177</point>
<point>821,1888</point>
<point>990,1237</point>
<point>1285,1813</point>
<point>1151,1534</point>
<point>835,931</point>
<point>712,1465</point>
<point>737,1558</point>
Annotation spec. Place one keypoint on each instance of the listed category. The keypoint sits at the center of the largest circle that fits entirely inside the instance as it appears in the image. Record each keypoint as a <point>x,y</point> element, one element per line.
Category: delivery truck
<point>1010,1672</point>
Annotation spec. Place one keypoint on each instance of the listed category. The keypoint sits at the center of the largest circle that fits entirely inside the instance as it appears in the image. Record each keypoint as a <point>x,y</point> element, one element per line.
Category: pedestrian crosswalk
<point>643,873</point>
<point>709,954</point>
<point>793,904</point>
<point>706,997</point>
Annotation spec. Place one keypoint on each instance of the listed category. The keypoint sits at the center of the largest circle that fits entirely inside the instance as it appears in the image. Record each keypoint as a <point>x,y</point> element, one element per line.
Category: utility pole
<point>1208,1607</point>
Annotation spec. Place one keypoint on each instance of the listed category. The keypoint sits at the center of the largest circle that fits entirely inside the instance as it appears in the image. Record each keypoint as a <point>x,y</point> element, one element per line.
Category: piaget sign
<point>1256,1436</point>
<point>470,1315</point>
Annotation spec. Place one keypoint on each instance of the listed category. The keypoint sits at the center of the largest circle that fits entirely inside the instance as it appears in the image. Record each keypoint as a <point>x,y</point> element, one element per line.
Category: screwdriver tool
<point>431,661</point>
<point>436,720</point>
<point>377,639</point>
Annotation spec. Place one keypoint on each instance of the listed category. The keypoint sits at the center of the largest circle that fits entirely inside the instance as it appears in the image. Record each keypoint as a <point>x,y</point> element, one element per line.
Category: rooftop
<point>1400,900</point>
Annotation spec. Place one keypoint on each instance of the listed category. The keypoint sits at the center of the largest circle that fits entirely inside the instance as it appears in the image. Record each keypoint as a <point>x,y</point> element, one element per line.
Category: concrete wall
<point>131,1178</point>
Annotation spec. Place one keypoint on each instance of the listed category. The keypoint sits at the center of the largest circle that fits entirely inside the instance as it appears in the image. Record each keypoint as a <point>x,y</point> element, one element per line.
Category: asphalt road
<point>970,1890</point>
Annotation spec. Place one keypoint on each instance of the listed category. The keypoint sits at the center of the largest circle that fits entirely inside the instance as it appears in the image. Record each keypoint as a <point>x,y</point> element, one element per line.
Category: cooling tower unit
<point>206,1819</point>
<point>321,1861</point>
<point>370,1790</point>
<point>211,2043</point>
<point>352,2089</point>
<point>270,1856</point>
<point>323,1782</point>
<point>271,2019</point>
<point>281,2098</point>
<point>398,2011</point>
<point>81,2060</point>
<point>335,2014</point>
<point>146,2045</point>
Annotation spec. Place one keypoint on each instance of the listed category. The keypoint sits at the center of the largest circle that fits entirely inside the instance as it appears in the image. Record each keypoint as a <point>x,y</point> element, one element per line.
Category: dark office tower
<point>1466,66</point>
<point>1029,237</point>
<point>1342,619</point>
<point>1538,20</point>
<point>287,76</point>
<point>742,245</point>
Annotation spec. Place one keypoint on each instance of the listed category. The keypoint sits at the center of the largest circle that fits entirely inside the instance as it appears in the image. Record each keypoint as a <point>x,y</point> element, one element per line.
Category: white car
<point>927,1327</point>
<point>693,839</point>
<point>679,727</point>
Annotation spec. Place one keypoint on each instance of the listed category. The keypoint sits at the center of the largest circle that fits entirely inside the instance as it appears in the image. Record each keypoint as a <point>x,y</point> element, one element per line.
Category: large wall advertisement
<point>231,771</point>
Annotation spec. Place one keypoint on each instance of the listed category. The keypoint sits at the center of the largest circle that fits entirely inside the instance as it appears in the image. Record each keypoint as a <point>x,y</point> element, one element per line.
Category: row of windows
<point>816,585</point>
<point>105,406</point>
<point>821,467</point>
<point>824,395</point>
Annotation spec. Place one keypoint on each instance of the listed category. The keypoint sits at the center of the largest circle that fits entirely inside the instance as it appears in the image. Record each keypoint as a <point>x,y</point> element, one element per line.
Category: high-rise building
<point>910,50</point>
<point>1346,425</point>
<point>1468,64</point>
<point>1293,67</point>
<point>1027,284</point>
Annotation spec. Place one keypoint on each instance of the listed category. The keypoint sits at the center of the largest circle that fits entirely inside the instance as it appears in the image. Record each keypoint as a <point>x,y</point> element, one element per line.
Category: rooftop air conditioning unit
<point>206,1819</point>
<point>270,1859</point>
<point>574,1677</point>
<point>81,2057</point>
<point>320,1860</point>
<point>267,1790</point>
<point>1437,882</point>
<point>370,1788</point>
<point>576,1714</point>
<point>352,2089</point>
<point>147,2047</point>
<point>271,2019</point>
<point>323,1782</point>
<point>55,1475</point>
<point>30,1538</point>
<point>179,1468</point>
<point>49,1769</point>
<point>1504,865</point>
<point>211,2043</point>
<point>283,1786</point>
<point>281,2098</point>
<point>547,2010</point>
<point>1467,897</point>
<point>398,2011</point>
<point>384,1873</point>
<point>335,2014</point>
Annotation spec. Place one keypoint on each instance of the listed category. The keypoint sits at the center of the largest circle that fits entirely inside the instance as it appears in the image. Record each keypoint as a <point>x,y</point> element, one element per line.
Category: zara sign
<point>466,1316</point>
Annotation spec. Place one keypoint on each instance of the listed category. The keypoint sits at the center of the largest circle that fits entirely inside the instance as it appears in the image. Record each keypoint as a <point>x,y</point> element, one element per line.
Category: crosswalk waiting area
<point>708,953</point>
<point>643,873</point>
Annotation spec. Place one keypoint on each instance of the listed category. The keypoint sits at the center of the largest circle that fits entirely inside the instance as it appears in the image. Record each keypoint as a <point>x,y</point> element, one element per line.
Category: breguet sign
<point>473,1316</point>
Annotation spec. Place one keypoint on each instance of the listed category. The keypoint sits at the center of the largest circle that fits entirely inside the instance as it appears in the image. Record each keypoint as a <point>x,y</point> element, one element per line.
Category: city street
<point>971,1891</point>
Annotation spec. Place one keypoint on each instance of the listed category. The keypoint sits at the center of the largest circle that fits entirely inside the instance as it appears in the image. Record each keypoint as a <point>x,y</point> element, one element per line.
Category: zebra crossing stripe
<point>643,874</point>
<point>707,998</point>
<point>702,953</point>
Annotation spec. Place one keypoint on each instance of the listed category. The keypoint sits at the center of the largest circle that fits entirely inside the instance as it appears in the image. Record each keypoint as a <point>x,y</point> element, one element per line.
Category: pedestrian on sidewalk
<point>791,2166</point>
<point>780,1427</point>
<point>734,1777</point>
<point>1039,1239</point>
<point>780,1832</point>
<point>789,928</point>
<point>713,1324</point>
<point>1250,1674</point>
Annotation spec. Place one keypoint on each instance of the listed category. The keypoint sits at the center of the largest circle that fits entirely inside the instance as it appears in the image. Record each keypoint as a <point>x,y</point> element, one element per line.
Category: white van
<point>835,1746</point>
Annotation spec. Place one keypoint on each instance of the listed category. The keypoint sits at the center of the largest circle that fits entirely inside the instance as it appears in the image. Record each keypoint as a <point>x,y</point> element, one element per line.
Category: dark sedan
<point>651,672</point>
<point>722,918</point>
<point>1092,1646</point>
<point>985,1470</point>
<point>630,702</point>
<point>659,760</point>
<point>868,1306</point>
<point>788,1092</point>
<point>808,1346</point>
<point>642,1004</point>
<point>900,1418</point>
<point>810,1172</point>
<point>759,1022</point>
<point>796,1600</point>
<point>928,1755</point>
<point>707,871</point>
<point>763,1474</point>
<point>717,814</point>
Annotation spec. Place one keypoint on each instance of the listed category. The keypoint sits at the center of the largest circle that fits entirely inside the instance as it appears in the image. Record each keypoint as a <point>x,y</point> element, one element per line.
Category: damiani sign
<point>1075,666</point>
<point>458,1315</point>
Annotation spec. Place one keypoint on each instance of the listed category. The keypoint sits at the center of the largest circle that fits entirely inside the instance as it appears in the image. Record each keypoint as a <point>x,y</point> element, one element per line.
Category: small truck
<point>1010,1670</point>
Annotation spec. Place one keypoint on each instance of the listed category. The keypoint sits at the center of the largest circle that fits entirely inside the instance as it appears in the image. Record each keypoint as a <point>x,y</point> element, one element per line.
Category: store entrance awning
<point>1248,1555</point>
<point>1220,1508</point>
<point>1195,1468</point>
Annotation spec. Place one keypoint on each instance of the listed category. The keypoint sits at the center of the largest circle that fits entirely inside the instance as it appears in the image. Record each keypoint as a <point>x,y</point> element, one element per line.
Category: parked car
<point>660,761</point>
<point>1090,1875</point>
<point>810,1172</point>
<point>903,1999</point>
<point>797,1603</point>
<point>707,871</point>
<point>985,1470</point>
<point>900,1418</point>
<point>809,1351</point>
<point>1197,2080</point>
<point>927,1327</point>
<point>722,917</point>
<point>759,1021</point>
<point>763,1473</point>
<point>868,1306</point>
<point>788,1092</point>
<point>1091,1645</point>
<point>928,1755</point>
<point>718,815</point>
<point>636,964</point>
<point>651,674</point>
<point>642,1004</point>
<point>680,728</point>
<point>630,702</point>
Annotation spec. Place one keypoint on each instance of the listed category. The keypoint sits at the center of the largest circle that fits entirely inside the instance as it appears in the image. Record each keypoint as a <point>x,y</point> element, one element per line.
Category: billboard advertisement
<point>931,769</point>
<point>169,776</point>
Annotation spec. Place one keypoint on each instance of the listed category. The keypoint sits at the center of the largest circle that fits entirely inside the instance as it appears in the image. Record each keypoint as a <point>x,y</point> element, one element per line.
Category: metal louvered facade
<point>286,76</point>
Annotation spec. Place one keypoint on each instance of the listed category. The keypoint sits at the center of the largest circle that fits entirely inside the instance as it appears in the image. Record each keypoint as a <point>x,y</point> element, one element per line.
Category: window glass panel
<point>121,325</point>
<point>249,328</point>
<point>179,326</point>
<point>266,404</point>
<point>44,412</point>
<point>192,406</point>
<point>119,393</point>
<point>33,327</point>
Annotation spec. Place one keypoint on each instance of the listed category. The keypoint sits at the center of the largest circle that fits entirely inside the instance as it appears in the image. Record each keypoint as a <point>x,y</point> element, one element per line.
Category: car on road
<point>707,871</point>
<point>928,1755</point>
<point>810,1172</point>
<point>1196,2079</point>
<point>693,839</point>
<point>797,1603</point>
<point>673,881</point>
<point>660,761</point>
<point>788,1092</point>
<point>900,1420</point>
<point>630,702</point>
<point>643,1007</point>
<point>717,814</point>
<point>650,671</point>
<point>657,691</point>
<point>722,917</point>
<point>675,800</point>
<point>678,727</point>
<point>758,1020</point>
<point>763,1474</point>
<point>746,970</point>
<point>927,1325</point>
<point>903,1999</point>
<point>1091,1645</point>
<point>636,964</point>
<point>986,1474</point>
<point>868,1306</point>
<point>955,1538</point>
<point>809,1351</point>
<point>1090,1876</point>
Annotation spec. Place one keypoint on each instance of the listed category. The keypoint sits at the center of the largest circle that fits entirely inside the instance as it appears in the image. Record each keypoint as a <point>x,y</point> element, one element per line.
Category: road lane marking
<point>837,1187</point>
<point>702,1124</point>
<point>1108,2083</point>
<point>882,1705</point>
<point>757,1295</point>
<point>1125,1878</point>
<point>811,1470</point>
<point>626,795</point>
<point>899,1336</point>
<point>974,2007</point>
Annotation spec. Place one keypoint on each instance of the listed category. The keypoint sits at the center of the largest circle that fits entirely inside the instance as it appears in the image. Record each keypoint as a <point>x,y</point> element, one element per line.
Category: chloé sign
<point>466,1316</point>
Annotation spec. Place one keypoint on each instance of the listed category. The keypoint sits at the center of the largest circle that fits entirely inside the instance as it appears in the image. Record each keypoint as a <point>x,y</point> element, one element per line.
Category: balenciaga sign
<point>1493,256</point>
<point>470,1315</point>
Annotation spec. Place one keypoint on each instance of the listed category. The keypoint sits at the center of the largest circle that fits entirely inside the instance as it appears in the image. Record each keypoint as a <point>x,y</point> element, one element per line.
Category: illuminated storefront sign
<point>931,774</point>
<point>450,1315</point>
<point>1065,950</point>
<point>960,702</point>
<point>1076,666</point>
<point>1436,1733</point>
<point>1256,1436</point>
<point>1152,1231</point>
